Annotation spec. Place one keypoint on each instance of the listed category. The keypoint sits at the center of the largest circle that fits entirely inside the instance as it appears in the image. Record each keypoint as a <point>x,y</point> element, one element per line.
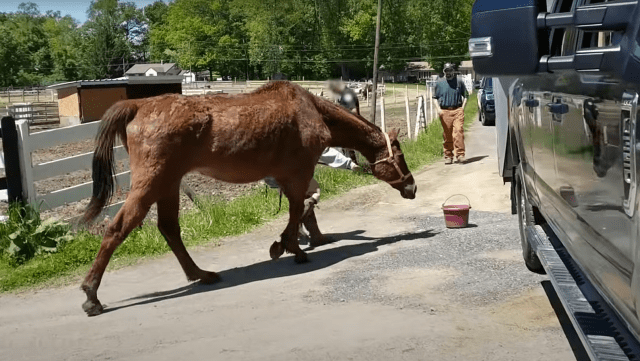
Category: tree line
<point>253,39</point>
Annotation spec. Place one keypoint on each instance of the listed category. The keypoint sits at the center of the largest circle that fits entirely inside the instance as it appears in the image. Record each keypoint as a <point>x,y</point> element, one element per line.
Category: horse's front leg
<point>289,238</point>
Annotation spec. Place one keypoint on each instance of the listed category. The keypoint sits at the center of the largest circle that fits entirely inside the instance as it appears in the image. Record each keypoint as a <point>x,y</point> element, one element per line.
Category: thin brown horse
<point>279,130</point>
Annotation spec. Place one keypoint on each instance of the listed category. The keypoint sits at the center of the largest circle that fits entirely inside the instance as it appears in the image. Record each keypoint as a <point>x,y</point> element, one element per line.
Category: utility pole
<point>375,64</point>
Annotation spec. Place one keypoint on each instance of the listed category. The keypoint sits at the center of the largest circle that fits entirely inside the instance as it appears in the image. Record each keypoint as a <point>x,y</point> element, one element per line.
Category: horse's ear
<point>393,134</point>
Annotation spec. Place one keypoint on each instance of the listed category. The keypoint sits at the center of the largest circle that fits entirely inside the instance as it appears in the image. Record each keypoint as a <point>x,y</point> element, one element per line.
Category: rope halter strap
<point>391,159</point>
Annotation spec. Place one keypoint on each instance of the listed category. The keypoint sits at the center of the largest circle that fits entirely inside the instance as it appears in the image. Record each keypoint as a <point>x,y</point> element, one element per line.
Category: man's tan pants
<point>453,125</point>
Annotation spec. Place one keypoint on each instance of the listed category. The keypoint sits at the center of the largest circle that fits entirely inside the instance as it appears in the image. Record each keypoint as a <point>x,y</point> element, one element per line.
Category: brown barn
<point>86,100</point>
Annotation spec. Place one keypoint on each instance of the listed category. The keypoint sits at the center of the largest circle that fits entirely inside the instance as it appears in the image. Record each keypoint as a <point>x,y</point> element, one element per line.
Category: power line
<point>288,60</point>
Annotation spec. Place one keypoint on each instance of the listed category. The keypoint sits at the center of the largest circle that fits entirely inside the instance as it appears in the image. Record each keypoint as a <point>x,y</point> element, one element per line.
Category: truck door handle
<point>531,103</point>
<point>558,108</point>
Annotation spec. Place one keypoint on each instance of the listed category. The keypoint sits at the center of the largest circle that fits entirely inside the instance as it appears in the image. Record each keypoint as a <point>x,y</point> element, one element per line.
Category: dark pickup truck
<point>566,83</point>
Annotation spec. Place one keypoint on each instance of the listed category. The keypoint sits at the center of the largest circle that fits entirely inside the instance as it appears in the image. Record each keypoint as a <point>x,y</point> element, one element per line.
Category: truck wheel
<point>526,218</point>
<point>483,119</point>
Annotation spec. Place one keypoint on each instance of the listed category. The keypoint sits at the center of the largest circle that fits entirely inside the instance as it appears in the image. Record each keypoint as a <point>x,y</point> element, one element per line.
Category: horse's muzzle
<point>409,191</point>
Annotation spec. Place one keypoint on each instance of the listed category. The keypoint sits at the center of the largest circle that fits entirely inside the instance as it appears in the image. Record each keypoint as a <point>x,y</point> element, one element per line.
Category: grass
<point>212,220</point>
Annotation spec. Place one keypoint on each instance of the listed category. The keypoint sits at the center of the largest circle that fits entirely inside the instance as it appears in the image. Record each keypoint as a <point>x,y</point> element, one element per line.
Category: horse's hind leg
<point>169,226</point>
<point>295,192</point>
<point>130,215</point>
<point>311,224</point>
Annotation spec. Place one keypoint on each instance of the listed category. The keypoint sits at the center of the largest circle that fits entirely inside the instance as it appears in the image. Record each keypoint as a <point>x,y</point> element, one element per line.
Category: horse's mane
<point>332,112</point>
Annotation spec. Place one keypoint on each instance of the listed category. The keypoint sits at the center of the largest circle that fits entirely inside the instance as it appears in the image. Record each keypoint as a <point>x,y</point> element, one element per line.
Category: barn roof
<point>158,67</point>
<point>122,81</point>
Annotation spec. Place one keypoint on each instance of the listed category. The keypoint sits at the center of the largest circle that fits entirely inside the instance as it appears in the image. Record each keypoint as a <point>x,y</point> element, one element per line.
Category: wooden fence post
<point>406,105</point>
<point>11,159</point>
<point>415,133</point>
<point>23,95</point>
<point>382,124</point>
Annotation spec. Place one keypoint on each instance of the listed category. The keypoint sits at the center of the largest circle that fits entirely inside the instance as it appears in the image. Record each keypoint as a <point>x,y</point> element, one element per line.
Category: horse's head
<point>391,167</point>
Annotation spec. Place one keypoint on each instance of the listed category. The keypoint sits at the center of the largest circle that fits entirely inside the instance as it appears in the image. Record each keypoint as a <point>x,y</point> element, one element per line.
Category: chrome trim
<point>479,47</point>
<point>628,126</point>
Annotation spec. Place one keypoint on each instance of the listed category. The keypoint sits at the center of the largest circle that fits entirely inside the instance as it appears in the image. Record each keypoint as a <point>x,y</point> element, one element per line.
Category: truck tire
<point>526,218</point>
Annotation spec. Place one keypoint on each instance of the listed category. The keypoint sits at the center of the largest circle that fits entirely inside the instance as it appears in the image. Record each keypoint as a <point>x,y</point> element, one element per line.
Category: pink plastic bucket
<point>456,215</point>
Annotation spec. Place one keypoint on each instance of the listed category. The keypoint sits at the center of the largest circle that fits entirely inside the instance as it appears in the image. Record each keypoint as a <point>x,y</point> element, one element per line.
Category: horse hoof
<point>301,257</point>
<point>92,308</point>
<point>276,250</point>
<point>321,241</point>
<point>209,277</point>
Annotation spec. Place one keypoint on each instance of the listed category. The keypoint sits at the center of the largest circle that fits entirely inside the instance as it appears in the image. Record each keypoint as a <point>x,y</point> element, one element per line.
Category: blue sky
<point>76,8</point>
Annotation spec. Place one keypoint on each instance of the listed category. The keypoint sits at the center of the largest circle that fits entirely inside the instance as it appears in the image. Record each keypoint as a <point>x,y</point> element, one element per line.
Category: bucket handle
<point>468,201</point>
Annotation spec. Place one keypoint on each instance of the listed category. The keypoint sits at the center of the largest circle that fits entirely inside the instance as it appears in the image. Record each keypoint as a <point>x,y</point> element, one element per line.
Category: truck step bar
<point>602,333</point>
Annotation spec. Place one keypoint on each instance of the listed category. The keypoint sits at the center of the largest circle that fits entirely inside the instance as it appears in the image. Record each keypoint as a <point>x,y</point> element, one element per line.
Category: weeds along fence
<point>31,173</point>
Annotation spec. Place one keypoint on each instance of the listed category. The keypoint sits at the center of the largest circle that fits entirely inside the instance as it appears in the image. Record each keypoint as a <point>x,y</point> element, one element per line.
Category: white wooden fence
<point>28,143</point>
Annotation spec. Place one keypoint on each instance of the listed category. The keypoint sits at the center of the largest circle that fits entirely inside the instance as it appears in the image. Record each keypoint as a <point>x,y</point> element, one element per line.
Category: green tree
<point>64,44</point>
<point>200,34</point>
<point>112,37</point>
<point>282,35</point>
<point>10,58</point>
<point>34,56</point>
<point>444,27</point>
<point>156,13</point>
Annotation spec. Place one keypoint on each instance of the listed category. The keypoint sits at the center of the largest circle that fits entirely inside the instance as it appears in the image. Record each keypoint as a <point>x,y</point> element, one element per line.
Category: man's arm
<point>436,96</point>
<point>465,95</point>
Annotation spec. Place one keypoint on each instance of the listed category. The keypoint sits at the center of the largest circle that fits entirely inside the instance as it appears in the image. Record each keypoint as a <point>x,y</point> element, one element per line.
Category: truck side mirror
<point>504,37</point>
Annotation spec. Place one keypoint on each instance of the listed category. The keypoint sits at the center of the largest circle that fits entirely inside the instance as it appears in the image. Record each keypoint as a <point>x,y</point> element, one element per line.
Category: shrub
<point>24,236</point>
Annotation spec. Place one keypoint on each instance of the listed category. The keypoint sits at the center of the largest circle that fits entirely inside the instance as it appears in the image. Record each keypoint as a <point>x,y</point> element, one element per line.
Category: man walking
<point>451,95</point>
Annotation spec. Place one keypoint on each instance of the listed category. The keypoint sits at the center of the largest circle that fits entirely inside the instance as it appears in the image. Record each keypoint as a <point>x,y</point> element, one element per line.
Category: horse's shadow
<point>284,267</point>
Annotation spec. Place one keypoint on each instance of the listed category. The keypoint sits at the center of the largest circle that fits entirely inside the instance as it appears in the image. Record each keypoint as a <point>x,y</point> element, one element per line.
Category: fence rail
<point>10,96</point>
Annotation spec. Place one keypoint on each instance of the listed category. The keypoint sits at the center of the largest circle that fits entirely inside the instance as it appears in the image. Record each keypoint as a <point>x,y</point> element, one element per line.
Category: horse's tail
<point>114,123</point>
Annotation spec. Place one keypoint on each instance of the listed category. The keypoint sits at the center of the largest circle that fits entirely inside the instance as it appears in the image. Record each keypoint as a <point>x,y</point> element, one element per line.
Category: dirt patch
<point>421,284</point>
<point>526,312</point>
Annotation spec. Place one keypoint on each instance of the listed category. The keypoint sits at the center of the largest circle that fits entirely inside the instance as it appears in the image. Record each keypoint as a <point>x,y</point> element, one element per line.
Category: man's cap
<point>449,66</point>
